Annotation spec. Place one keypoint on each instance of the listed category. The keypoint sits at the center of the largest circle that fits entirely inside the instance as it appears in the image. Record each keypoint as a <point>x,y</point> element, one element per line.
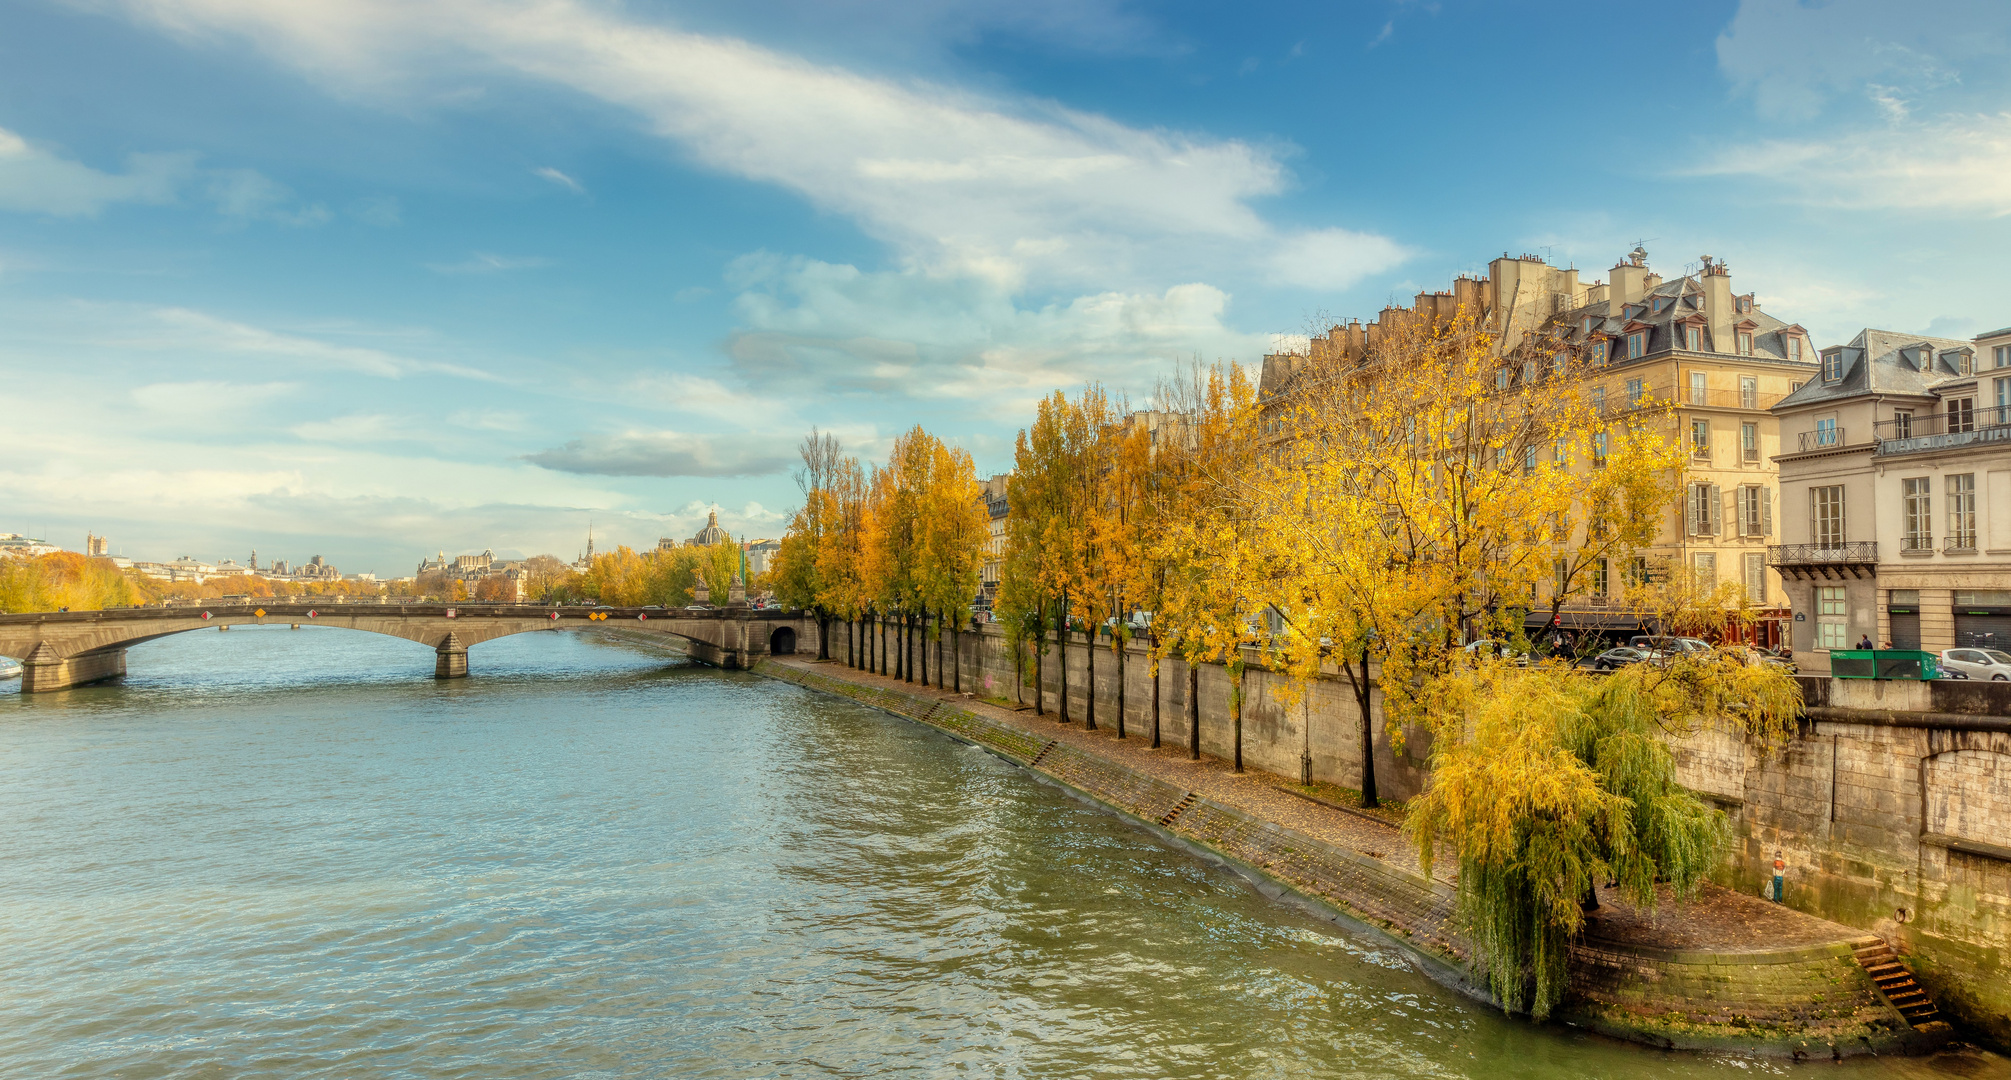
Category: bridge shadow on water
<point>185,668</point>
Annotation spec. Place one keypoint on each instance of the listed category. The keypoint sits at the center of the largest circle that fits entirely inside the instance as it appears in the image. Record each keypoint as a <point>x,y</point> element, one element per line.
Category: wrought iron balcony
<point>1858,558</point>
<point>1942,431</point>
<point>1822,439</point>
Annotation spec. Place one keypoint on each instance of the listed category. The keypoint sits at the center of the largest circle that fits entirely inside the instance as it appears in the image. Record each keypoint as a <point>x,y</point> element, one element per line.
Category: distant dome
<point>712,533</point>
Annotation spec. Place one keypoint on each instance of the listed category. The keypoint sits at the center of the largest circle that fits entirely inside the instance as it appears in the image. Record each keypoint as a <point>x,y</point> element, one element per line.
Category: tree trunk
<point>823,636</point>
<point>1363,701</point>
<point>1150,643</point>
<point>1039,687</point>
<point>881,633</point>
<point>941,629</point>
<point>956,660</point>
<point>1236,705</point>
<point>922,630</point>
<point>1089,684</point>
<point>1193,710</point>
<point>907,647</point>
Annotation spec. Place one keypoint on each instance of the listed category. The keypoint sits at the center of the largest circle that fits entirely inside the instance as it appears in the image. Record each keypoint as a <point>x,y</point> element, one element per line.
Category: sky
<point>372,279</point>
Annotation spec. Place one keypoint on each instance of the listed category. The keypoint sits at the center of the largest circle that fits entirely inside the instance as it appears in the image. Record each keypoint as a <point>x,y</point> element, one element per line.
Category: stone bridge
<point>69,648</point>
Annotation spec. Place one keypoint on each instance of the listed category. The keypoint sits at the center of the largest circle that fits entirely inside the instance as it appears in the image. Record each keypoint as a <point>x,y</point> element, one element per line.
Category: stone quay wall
<point>1803,1002</point>
<point>1891,808</point>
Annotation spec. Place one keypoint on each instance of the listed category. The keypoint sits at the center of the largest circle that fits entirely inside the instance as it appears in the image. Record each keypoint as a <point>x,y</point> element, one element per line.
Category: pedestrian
<point>1864,642</point>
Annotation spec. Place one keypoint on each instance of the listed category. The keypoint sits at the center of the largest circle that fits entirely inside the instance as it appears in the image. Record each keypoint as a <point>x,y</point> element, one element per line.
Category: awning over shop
<point>1569,619</point>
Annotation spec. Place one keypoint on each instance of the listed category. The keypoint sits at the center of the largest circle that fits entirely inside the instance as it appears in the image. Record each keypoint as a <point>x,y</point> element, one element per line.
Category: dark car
<point>1618,657</point>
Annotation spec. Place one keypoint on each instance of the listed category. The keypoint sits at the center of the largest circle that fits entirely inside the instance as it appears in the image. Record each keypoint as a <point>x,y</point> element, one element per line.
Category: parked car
<point>1666,644</point>
<point>1751,657</point>
<point>1618,657</point>
<point>1991,665</point>
<point>1491,648</point>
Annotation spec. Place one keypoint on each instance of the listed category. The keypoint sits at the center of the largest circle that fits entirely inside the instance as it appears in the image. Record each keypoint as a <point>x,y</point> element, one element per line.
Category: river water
<point>291,854</point>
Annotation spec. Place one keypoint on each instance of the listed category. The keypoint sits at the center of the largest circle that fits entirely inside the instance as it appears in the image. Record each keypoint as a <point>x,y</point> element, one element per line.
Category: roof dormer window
<point>1832,366</point>
<point>1745,305</point>
<point>1693,339</point>
<point>1588,324</point>
<point>1660,302</point>
<point>1794,348</point>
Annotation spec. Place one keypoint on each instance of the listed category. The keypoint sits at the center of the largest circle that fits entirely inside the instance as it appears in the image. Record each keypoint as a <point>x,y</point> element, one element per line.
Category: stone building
<point>994,498</point>
<point>1896,495</point>
<point>1639,337</point>
<point>711,534</point>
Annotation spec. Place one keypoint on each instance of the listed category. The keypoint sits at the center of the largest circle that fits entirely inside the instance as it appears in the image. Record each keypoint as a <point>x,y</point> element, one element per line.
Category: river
<point>274,853</point>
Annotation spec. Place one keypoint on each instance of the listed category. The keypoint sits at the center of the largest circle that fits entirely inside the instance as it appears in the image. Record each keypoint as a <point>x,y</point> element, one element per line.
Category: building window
<point>1702,505</point>
<point>1528,461</point>
<point>1825,432</point>
<point>1826,516</point>
<point>1962,512</point>
<point>1598,583</point>
<point>1749,392</point>
<point>1794,386</point>
<point>1756,511</point>
<point>1699,388</point>
<point>1794,348</point>
<point>1756,577</point>
<point>1528,372</point>
<point>1501,379</point>
<point>1557,362</point>
<point>1700,438</point>
<point>1560,576</point>
<point>2002,414</point>
<point>1660,302</point>
<point>1749,442</point>
<point>1705,565</point>
<point>1902,423</point>
<point>1745,344</point>
<point>2001,355</point>
<point>1634,392</point>
<point>1598,354</point>
<point>1832,627</point>
<point>1586,325</point>
<point>1832,366</point>
<point>1919,512</point>
<point>1692,339</point>
<point>1599,450</point>
<point>1963,363</point>
<point>1637,346</point>
<point>1961,415</point>
<point>1637,571</point>
<point>1599,400</point>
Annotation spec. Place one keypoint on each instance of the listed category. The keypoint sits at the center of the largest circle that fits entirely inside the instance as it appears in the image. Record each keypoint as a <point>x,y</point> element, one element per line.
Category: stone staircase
<point>1178,808</point>
<point>1899,988</point>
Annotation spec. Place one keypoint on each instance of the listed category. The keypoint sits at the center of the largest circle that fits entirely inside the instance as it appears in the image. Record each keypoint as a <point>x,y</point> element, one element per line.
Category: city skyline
<point>375,279</point>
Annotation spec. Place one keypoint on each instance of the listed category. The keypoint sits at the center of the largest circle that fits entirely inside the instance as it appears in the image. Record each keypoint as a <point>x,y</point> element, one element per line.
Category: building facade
<point>996,508</point>
<point>1896,496</point>
<point>1638,339</point>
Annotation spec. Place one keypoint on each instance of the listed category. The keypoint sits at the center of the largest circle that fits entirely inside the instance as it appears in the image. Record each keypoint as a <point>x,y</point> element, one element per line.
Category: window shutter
<point>1731,527</point>
<point>1717,500</point>
<point>1766,511</point>
<point>1690,511</point>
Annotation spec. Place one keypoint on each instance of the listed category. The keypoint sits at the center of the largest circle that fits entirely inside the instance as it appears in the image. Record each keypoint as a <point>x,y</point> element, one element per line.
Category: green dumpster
<point>1883,664</point>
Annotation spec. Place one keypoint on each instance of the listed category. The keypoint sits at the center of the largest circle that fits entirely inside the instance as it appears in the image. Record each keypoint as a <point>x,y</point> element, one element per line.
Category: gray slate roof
<point>1889,363</point>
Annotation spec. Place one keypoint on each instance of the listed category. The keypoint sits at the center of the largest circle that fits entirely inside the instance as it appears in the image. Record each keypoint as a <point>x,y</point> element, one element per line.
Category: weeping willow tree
<point>1546,782</point>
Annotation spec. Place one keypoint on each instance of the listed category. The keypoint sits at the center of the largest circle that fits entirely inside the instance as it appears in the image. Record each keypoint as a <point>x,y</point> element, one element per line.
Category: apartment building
<point>1639,338</point>
<point>1896,495</point>
<point>994,497</point>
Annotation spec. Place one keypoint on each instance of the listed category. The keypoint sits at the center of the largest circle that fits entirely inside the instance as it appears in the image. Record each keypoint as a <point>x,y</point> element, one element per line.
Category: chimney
<point>1718,308</point>
<point>1628,285</point>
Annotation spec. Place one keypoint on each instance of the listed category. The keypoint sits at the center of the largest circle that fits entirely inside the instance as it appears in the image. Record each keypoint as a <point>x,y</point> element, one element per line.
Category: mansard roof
<point>1888,363</point>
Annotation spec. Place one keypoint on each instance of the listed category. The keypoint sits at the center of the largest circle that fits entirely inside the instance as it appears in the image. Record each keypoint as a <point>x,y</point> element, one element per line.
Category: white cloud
<point>33,180</point>
<point>209,395</point>
<point>245,195</point>
<point>1012,190</point>
<point>561,179</point>
<point>1794,58</point>
<point>484,262</point>
<point>1956,164</point>
<point>182,328</point>
<point>817,328</point>
<point>669,453</point>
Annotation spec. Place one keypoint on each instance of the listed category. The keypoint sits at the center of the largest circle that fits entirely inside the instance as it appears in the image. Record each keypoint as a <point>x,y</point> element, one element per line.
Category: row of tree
<point>893,551</point>
<point>1372,516</point>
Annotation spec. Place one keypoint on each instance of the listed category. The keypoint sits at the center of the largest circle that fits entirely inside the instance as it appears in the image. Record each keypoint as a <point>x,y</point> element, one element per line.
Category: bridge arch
<point>63,649</point>
<point>781,641</point>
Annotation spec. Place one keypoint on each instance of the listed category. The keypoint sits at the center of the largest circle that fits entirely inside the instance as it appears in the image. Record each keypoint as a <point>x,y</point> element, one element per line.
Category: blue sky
<point>375,278</point>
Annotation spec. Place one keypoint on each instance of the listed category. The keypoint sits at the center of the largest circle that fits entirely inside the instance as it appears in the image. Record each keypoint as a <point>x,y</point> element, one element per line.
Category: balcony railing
<point>1855,553</point>
<point>1753,401</point>
<point>1961,542</point>
<point>1942,430</point>
<point>1822,439</point>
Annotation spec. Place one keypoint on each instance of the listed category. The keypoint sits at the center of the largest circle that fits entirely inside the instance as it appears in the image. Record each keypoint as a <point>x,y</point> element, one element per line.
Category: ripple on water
<point>281,854</point>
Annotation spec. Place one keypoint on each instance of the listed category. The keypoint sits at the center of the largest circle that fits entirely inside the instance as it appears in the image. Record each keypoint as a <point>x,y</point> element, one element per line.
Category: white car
<point>1992,665</point>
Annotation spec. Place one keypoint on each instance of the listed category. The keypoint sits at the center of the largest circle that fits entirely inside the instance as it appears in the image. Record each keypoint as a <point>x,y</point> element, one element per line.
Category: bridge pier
<point>450,660</point>
<point>43,670</point>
